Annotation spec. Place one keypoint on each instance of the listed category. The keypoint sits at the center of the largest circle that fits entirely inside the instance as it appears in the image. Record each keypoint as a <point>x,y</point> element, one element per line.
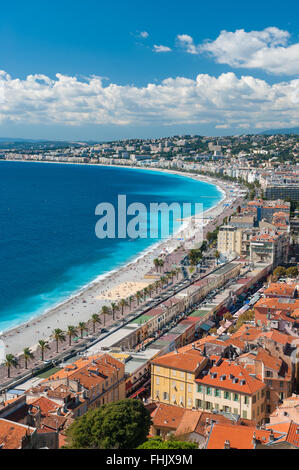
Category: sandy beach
<point>107,288</point>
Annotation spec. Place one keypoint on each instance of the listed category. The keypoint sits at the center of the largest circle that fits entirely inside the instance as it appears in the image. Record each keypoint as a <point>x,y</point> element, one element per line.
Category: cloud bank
<point>225,101</point>
<point>267,50</point>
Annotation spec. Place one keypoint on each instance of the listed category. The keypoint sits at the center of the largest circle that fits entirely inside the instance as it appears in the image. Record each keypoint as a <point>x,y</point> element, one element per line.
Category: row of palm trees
<point>60,336</point>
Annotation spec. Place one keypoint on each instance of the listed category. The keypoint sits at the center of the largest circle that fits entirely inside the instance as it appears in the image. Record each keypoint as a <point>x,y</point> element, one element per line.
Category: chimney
<point>227,445</point>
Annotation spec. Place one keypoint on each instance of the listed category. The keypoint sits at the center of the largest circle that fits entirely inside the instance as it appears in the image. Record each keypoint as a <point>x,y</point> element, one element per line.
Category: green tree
<point>43,346</point>
<point>95,318</point>
<point>105,311</point>
<point>27,355</point>
<point>123,303</point>
<point>10,361</point>
<point>82,327</point>
<point>278,272</point>
<point>71,331</point>
<point>120,425</point>
<point>158,443</point>
<point>292,271</point>
<point>59,336</point>
<point>114,308</point>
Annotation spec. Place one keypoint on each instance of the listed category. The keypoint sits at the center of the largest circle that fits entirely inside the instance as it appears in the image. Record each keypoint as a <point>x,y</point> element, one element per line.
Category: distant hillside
<point>292,130</point>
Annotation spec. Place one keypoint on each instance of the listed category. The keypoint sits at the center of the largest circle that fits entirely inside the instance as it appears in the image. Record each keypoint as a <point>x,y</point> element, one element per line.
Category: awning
<point>142,389</point>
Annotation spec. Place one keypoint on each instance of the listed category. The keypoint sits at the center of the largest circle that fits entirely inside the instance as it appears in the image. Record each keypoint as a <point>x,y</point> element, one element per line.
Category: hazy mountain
<point>292,130</point>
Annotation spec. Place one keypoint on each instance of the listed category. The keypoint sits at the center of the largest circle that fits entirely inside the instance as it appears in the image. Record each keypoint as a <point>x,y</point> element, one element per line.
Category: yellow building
<point>173,377</point>
<point>229,240</point>
<point>189,379</point>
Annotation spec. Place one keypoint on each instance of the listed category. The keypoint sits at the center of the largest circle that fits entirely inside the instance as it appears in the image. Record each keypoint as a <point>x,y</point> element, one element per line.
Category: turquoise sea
<point>48,246</point>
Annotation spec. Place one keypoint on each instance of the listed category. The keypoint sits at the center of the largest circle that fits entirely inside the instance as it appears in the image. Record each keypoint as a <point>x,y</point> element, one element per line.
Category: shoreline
<point>84,301</point>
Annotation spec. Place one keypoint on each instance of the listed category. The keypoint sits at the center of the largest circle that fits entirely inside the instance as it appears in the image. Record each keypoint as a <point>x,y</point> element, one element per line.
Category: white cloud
<point>144,34</point>
<point>267,50</point>
<point>161,48</point>
<point>220,101</point>
<point>187,43</point>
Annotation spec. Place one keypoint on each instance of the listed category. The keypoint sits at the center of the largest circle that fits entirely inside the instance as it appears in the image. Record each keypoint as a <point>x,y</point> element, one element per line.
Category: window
<point>268,373</point>
<point>198,403</point>
<point>157,380</point>
<point>157,369</point>
<point>268,409</point>
<point>173,398</point>
<point>174,373</point>
<point>181,386</point>
<point>208,405</point>
<point>189,402</point>
<point>182,375</point>
<point>189,388</point>
<point>227,395</point>
<point>268,395</point>
<point>173,384</point>
<point>235,411</point>
<point>246,400</point>
<point>217,392</point>
<point>165,396</point>
<point>254,399</point>
<point>199,388</point>
<point>236,397</point>
<point>281,384</point>
<point>244,414</point>
<point>209,391</point>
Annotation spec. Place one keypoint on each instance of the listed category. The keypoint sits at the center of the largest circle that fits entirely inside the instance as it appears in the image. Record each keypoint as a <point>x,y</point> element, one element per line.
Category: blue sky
<point>131,68</point>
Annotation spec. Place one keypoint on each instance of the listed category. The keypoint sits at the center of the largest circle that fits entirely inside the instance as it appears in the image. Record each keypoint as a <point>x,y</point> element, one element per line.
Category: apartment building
<point>229,240</point>
<point>190,379</point>
<point>97,380</point>
<point>269,247</point>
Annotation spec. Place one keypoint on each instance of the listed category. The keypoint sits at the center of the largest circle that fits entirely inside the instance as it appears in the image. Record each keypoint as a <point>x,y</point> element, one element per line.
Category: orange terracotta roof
<point>182,360</point>
<point>11,434</point>
<point>281,288</point>
<point>233,373</point>
<point>239,437</point>
<point>168,416</point>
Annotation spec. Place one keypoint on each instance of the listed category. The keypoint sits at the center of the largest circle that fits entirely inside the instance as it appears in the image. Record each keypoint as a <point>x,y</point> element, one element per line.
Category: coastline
<point>83,303</point>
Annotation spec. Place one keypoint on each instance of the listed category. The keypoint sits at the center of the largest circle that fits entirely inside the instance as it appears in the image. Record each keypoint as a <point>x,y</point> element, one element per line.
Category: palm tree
<point>58,335</point>
<point>114,308</point>
<point>131,298</point>
<point>217,256</point>
<point>71,331</point>
<point>82,327</point>
<point>156,263</point>
<point>145,293</point>
<point>157,284</point>
<point>10,361</point>
<point>138,296</point>
<point>161,263</point>
<point>150,289</point>
<point>163,280</point>
<point>43,345</point>
<point>123,303</point>
<point>95,318</point>
<point>105,311</point>
<point>27,355</point>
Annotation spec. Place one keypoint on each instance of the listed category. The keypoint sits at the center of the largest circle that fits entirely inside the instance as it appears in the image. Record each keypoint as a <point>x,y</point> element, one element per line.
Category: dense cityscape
<point>205,355</point>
